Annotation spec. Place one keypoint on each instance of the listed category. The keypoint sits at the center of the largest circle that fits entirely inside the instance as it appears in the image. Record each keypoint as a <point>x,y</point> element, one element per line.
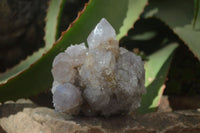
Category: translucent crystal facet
<point>65,93</point>
<point>102,79</point>
<point>102,33</point>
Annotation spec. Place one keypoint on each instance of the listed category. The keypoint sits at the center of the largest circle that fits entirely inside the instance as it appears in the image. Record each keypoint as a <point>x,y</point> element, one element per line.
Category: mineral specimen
<point>100,80</point>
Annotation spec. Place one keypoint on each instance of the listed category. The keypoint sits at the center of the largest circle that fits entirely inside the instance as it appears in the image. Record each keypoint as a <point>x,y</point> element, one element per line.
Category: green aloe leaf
<point>156,71</point>
<point>179,15</point>
<point>38,77</point>
<point>52,22</point>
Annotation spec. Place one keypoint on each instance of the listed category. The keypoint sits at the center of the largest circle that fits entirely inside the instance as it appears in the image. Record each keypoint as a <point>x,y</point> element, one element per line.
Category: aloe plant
<point>33,76</point>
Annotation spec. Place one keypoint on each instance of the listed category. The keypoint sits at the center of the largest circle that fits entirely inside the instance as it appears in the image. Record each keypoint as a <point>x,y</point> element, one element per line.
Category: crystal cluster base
<point>104,79</point>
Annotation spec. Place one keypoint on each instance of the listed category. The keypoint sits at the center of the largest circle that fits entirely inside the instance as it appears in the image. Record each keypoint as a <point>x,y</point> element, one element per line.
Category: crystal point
<point>101,33</point>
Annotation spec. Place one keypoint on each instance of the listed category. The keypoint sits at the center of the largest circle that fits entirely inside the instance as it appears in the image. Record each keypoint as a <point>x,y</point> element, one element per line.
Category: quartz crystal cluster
<point>103,79</point>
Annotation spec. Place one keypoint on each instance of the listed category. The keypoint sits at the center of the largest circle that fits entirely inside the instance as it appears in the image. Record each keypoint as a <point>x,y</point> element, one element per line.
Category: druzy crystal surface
<point>103,79</point>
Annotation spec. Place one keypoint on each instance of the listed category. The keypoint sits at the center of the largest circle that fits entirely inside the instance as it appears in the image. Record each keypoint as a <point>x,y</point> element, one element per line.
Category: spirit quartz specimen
<point>104,79</point>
